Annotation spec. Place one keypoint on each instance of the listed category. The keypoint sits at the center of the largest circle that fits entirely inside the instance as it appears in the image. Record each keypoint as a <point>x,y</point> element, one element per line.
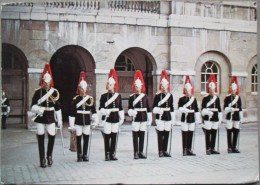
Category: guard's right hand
<point>210,114</point>
<point>41,110</point>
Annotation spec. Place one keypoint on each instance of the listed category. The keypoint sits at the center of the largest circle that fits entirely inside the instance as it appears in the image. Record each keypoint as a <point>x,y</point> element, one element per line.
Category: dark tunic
<point>143,103</point>
<point>48,116</point>
<point>82,119</point>
<point>5,105</point>
<point>216,105</point>
<point>168,104</point>
<point>117,103</point>
<point>238,104</point>
<point>194,106</point>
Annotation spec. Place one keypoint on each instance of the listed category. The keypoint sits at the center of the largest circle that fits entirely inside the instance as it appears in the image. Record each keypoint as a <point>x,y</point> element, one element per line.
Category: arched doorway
<point>66,65</point>
<point>15,81</point>
<point>127,63</point>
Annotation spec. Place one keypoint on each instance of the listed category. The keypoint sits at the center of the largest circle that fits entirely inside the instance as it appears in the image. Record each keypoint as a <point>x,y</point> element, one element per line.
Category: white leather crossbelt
<point>141,109</point>
<point>83,112</point>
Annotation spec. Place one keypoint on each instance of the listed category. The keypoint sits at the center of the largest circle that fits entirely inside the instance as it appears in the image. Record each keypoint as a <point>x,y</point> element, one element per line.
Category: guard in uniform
<point>190,115</point>
<point>83,114</point>
<point>5,109</point>
<point>138,108</point>
<point>212,116</point>
<point>45,103</point>
<point>165,116</point>
<point>112,115</point>
<point>234,115</point>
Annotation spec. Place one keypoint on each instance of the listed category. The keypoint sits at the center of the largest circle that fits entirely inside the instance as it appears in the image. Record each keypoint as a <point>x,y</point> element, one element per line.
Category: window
<point>123,63</point>
<point>254,79</point>
<point>208,68</point>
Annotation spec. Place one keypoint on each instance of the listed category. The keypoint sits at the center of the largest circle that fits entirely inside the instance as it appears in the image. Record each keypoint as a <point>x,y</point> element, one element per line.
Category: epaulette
<point>228,95</point>
<point>37,88</point>
<point>132,94</point>
<point>75,97</point>
<point>158,92</point>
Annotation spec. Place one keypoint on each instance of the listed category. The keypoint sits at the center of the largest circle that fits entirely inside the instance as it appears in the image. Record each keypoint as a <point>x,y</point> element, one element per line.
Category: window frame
<point>204,83</point>
<point>127,60</point>
<point>254,85</point>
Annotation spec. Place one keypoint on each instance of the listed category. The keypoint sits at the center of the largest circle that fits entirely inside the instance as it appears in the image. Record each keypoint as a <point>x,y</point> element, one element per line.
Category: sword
<point>193,143</point>
<point>89,141</point>
<point>148,130</point>
<point>170,148</point>
<point>117,138</point>
<point>63,146</point>
<point>218,139</point>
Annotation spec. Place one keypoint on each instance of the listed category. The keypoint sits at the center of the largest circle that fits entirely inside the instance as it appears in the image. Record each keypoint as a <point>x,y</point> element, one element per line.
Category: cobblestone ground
<point>20,162</point>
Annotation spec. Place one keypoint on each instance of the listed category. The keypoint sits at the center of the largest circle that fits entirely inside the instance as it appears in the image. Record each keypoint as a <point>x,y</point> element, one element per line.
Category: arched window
<point>254,78</point>
<point>208,68</point>
<point>123,63</point>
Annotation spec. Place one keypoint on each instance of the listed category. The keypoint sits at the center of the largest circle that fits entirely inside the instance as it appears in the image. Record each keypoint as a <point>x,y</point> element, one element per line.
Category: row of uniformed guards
<point>46,104</point>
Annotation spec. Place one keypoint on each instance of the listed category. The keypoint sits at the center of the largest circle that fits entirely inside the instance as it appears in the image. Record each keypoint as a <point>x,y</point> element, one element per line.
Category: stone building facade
<point>182,37</point>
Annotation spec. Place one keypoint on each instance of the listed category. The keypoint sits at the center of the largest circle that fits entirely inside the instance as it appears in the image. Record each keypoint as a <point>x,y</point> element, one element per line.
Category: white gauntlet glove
<point>72,122</point>
<point>184,110</point>
<point>228,110</point>
<point>206,112</point>
<point>105,112</point>
<point>132,112</point>
<point>149,118</point>
<point>158,110</point>
<point>37,109</point>
<point>59,118</point>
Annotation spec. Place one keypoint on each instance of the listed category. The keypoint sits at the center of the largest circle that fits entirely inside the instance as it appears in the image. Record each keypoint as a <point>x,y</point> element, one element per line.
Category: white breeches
<point>163,125</point>
<point>82,129</point>
<point>110,127</point>
<point>139,126</point>
<point>49,127</point>
<point>208,125</point>
<point>187,126</point>
<point>231,124</point>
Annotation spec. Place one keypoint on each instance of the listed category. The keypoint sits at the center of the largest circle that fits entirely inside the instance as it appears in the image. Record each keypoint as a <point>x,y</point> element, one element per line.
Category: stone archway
<point>15,81</point>
<point>66,64</point>
<point>224,67</point>
<point>140,59</point>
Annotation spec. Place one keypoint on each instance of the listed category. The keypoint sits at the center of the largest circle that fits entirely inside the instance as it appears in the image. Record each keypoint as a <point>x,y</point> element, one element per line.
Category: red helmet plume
<point>212,79</point>
<point>82,77</point>
<point>187,80</point>
<point>112,74</point>
<point>164,75</point>
<point>47,70</point>
<point>138,75</point>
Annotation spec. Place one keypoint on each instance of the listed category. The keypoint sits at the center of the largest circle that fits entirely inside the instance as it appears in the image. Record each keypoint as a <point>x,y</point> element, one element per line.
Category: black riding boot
<point>107,146</point>
<point>184,143</point>
<point>229,140</point>
<point>141,145</point>
<point>41,150</point>
<point>113,147</point>
<point>135,144</point>
<point>207,140</point>
<point>165,144</point>
<point>85,147</point>
<point>235,138</point>
<point>79,150</point>
<point>50,149</point>
<point>213,141</point>
<point>190,137</point>
<point>3,121</point>
<point>160,142</point>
